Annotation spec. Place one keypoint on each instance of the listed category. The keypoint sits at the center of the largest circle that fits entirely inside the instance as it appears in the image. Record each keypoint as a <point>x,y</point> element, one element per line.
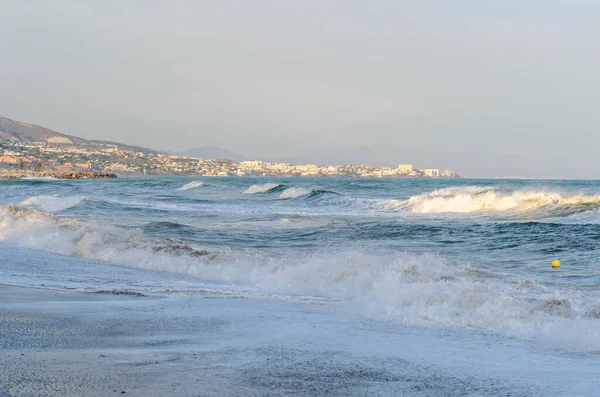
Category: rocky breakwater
<point>55,175</point>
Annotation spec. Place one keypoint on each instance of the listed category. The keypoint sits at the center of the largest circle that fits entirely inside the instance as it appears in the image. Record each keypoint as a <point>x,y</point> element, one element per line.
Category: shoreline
<point>56,174</point>
<point>80,327</point>
<point>58,342</point>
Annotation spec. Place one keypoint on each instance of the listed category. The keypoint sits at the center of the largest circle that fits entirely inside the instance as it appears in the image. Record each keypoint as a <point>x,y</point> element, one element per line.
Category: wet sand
<point>60,343</point>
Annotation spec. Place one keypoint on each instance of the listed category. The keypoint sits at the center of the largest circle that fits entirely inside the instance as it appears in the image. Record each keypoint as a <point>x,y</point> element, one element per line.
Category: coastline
<point>20,174</point>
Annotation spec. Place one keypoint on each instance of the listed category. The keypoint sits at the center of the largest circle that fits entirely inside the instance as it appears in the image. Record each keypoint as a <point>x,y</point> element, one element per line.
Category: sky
<point>486,88</point>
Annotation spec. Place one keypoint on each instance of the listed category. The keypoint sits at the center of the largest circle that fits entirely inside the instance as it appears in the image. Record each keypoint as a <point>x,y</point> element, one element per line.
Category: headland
<point>27,146</point>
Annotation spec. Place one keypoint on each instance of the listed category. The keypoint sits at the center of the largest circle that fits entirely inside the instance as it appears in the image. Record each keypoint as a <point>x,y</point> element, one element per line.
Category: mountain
<point>16,131</point>
<point>212,152</point>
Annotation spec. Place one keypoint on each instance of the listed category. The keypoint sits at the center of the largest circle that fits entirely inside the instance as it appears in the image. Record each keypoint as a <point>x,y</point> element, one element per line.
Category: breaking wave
<point>314,195</point>
<point>486,199</point>
<point>291,192</point>
<point>52,203</point>
<point>42,230</point>
<point>421,290</point>
<point>264,188</point>
<point>295,192</point>
<point>191,185</point>
<point>331,198</point>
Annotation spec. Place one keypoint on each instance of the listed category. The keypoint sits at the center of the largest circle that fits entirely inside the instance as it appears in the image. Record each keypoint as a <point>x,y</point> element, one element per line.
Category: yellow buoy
<point>556,263</point>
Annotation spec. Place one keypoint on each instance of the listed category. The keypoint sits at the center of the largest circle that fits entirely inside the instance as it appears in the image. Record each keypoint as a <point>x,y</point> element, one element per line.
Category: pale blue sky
<point>514,80</point>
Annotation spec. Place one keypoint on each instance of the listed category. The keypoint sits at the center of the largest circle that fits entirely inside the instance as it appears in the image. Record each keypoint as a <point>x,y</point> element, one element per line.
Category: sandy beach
<point>62,343</point>
<point>82,344</point>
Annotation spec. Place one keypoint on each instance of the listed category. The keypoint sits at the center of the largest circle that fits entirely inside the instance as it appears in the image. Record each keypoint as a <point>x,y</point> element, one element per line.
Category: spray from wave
<point>421,290</point>
<point>190,186</point>
<point>485,199</point>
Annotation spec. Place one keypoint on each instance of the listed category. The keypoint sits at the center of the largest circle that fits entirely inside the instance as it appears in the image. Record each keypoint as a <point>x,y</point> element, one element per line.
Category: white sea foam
<point>39,178</point>
<point>42,230</point>
<point>420,290</point>
<point>191,185</point>
<point>294,192</point>
<point>52,203</point>
<point>263,188</point>
<point>486,199</point>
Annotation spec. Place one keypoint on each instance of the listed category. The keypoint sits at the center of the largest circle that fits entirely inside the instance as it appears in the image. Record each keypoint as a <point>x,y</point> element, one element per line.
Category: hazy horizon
<point>482,88</point>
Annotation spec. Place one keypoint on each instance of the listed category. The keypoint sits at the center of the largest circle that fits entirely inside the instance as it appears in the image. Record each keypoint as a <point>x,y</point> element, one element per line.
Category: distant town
<point>38,156</point>
<point>30,147</point>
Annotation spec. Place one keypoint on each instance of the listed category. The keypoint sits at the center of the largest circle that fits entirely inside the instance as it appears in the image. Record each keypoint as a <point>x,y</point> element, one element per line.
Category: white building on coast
<point>432,172</point>
<point>405,168</point>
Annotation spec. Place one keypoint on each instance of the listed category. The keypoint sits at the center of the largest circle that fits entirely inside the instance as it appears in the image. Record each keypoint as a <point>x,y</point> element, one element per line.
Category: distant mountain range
<point>16,131</point>
<point>473,163</point>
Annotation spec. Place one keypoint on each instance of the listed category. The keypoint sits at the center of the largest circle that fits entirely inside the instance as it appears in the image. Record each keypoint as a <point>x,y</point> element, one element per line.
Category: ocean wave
<point>420,290</point>
<point>149,205</point>
<point>315,196</point>
<point>312,195</point>
<point>294,192</point>
<point>52,203</point>
<point>328,198</point>
<point>264,188</point>
<point>131,247</point>
<point>191,185</point>
<point>165,225</point>
<point>488,199</point>
<point>321,193</point>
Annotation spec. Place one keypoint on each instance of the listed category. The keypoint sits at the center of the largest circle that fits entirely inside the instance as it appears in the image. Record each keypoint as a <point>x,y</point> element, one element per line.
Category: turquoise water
<point>460,254</point>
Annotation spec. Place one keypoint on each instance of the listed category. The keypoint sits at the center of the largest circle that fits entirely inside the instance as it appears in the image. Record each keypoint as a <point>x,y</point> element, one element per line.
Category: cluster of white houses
<point>109,157</point>
<point>429,172</point>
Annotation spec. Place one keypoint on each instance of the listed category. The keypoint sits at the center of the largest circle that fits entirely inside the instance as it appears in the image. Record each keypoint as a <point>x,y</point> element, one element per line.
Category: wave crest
<point>264,188</point>
<point>52,203</point>
<point>130,247</point>
<point>294,192</point>
<point>485,199</point>
<point>191,185</point>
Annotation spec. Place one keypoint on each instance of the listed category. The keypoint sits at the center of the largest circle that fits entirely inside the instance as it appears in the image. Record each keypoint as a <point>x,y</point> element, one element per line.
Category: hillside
<point>11,130</point>
<point>16,131</point>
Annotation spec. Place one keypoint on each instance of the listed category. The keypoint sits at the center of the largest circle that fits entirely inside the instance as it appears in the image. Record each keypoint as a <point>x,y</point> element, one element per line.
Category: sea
<point>469,259</point>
